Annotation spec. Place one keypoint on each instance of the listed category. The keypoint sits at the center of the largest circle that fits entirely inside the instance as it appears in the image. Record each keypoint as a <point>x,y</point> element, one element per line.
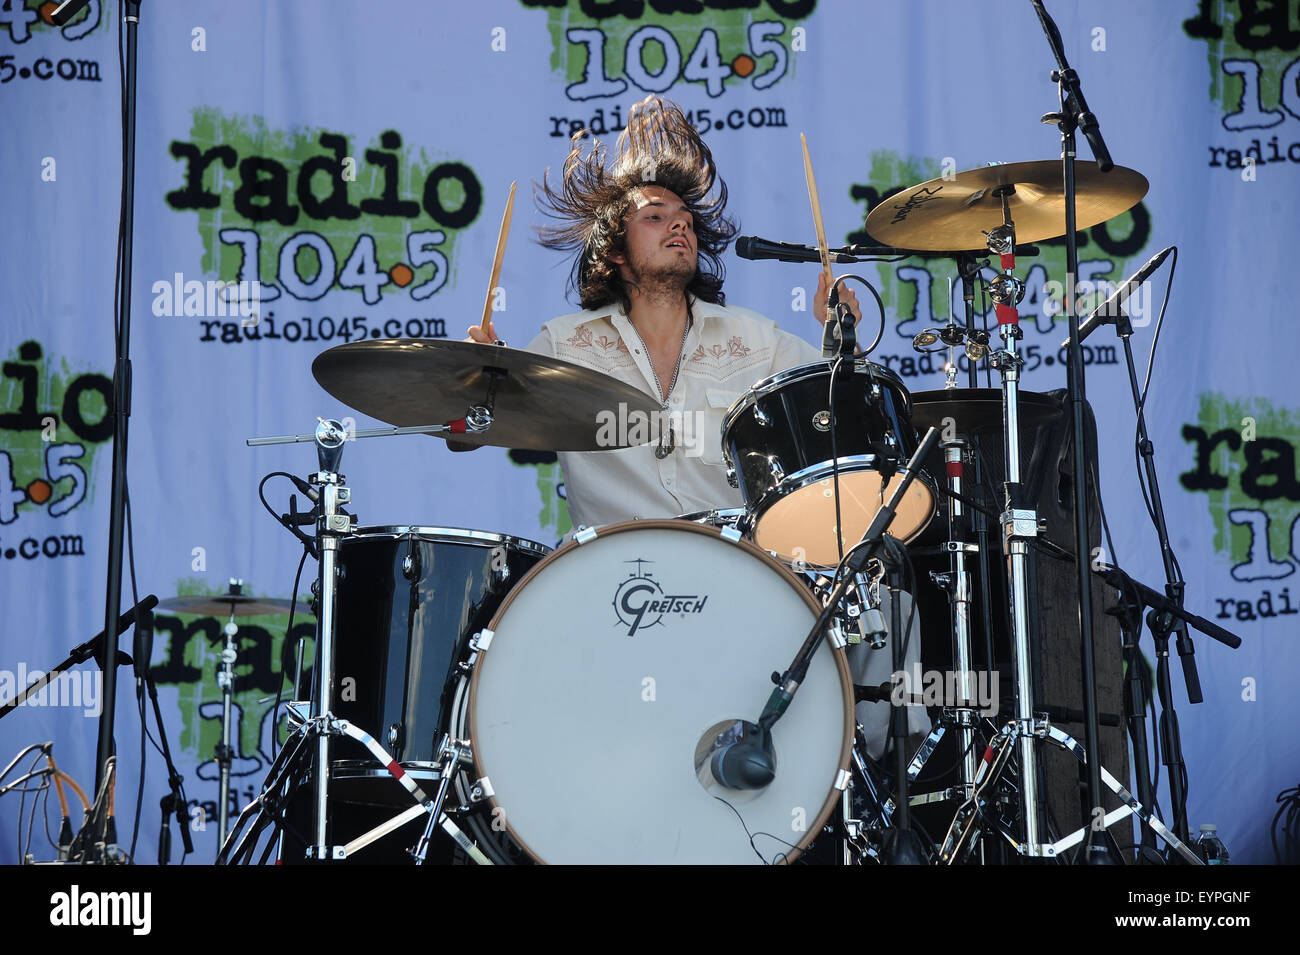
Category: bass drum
<point>610,670</point>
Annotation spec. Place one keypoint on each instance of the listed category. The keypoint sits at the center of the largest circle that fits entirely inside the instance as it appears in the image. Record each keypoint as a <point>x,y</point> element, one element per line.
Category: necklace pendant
<point>663,450</point>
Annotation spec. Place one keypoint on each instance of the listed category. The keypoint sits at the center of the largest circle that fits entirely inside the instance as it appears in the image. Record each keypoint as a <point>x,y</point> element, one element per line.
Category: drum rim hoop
<point>775,382</point>
<point>810,475</point>
<point>435,533</point>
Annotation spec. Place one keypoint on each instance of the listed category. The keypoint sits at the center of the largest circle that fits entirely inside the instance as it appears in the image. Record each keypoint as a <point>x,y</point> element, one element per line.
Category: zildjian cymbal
<point>538,403</point>
<point>226,605</point>
<point>953,214</point>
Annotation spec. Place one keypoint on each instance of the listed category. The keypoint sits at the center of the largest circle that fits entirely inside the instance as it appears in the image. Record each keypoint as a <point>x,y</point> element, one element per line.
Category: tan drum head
<point>800,525</point>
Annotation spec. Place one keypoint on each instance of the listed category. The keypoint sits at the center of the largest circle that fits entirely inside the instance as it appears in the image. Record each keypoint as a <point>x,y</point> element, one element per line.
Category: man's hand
<point>846,297</point>
<point>476,334</point>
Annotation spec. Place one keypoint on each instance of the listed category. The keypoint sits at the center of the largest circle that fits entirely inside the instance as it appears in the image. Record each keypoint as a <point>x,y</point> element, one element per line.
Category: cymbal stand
<point>1020,524</point>
<point>333,524</point>
<point>330,527</point>
<point>226,682</point>
<point>998,756</point>
<point>977,347</point>
<point>957,583</point>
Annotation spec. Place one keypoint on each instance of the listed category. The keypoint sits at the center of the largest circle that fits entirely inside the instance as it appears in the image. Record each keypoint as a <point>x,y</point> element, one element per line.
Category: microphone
<point>312,494</point>
<point>1108,311</point>
<point>143,649</point>
<point>744,759</point>
<point>752,247</point>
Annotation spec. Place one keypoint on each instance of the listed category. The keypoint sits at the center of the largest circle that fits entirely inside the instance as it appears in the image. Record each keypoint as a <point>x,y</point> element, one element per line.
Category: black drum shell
<point>873,413</point>
<point>409,599</point>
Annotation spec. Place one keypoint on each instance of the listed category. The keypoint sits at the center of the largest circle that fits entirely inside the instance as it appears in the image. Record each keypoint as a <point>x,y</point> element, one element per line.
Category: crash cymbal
<point>222,605</point>
<point>540,404</point>
<point>978,410</point>
<point>953,214</point>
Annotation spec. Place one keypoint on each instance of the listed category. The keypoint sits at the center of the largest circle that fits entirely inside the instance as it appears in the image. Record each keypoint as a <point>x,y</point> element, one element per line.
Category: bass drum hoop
<point>841,668</point>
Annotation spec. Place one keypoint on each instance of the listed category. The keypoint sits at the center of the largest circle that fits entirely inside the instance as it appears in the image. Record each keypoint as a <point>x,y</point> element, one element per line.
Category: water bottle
<point>1210,847</point>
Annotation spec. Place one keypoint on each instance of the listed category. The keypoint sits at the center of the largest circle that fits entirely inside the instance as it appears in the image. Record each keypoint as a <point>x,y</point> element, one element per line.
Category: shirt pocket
<point>717,401</point>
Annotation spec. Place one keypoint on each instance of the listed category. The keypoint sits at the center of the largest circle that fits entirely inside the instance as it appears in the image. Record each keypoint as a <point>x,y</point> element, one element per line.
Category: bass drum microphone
<point>735,756</point>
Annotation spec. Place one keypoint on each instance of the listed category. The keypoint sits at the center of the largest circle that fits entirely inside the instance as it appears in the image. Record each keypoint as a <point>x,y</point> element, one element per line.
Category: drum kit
<point>488,699</point>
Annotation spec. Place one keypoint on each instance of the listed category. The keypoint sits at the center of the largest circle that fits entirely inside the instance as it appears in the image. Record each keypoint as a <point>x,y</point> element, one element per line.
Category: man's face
<point>661,244</point>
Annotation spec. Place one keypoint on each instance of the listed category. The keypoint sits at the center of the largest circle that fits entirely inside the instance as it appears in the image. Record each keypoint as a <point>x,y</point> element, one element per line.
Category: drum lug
<point>585,535</point>
<point>481,790</point>
<point>730,534</point>
<point>774,465</point>
<point>732,477</point>
<point>842,779</point>
<point>481,640</point>
<point>761,418</point>
<point>501,574</point>
<point>394,737</point>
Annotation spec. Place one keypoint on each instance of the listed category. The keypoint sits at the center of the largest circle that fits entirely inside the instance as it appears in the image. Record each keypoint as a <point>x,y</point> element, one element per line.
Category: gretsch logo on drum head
<point>640,602</point>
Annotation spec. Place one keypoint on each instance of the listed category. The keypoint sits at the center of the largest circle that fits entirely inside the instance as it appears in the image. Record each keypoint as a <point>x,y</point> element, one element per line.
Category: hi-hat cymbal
<point>540,403</point>
<point>953,214</point>
<point>224,605</point>
<point>978,410</point>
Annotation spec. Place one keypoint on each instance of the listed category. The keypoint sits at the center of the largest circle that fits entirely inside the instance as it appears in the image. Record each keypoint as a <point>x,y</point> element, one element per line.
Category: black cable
<point>139,795</point>
<point>984,294</point>
<point>22,804</point>
<point>31,819</point>
<point>782,856</point>
<point>835,470</point>
<point>144,666</point>
<point>1289,803</point>
<point>880,305</point>
<point>1147,499</point>
<point>43,747</point>
<point>288,635</point>
<point>262,497</point>
<point>45,818</point>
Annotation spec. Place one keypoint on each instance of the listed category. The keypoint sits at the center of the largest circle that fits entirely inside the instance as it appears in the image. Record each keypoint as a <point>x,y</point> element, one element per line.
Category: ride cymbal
<point>949,215</point>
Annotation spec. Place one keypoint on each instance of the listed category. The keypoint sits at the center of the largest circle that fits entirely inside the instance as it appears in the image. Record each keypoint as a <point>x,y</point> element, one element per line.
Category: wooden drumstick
<point>500,254</point>
<point>822,248</point>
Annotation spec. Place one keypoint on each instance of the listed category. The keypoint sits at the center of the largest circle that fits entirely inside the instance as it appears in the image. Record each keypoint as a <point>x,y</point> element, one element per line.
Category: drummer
<point>649,230</point>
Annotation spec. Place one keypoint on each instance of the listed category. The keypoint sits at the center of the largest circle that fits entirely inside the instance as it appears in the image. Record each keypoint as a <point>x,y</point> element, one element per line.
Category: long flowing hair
<point>593,200</point>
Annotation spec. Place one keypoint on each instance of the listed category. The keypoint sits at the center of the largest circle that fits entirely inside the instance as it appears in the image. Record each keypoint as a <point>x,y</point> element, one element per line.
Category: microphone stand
<point>174,801</point>
<point>1163,624</point>
<point>121,404</point>
<point>907,847</point>
<point>1128,612</point>
<point>1074,114</point>
<point>92,648</point>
